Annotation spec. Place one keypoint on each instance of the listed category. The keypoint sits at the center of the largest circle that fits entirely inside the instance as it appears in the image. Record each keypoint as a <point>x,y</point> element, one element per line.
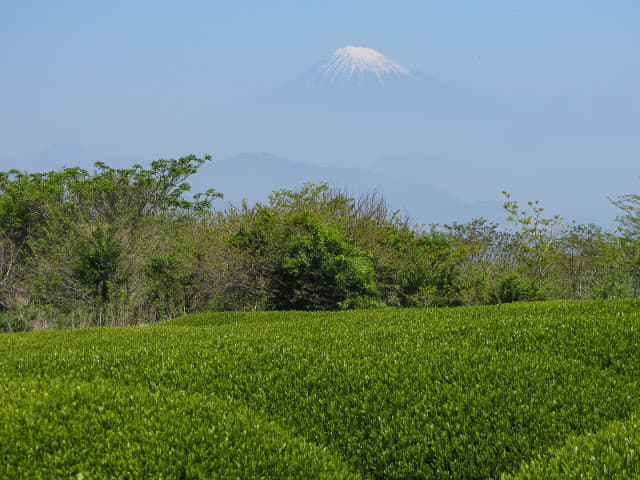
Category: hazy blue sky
<point>110,76</point>
<point>143,79</point>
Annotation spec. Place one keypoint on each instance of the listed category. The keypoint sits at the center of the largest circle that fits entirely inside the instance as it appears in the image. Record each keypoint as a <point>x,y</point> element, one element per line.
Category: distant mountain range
<point>357,104</point>
<point>253,177</point>
<point>430,188</point>
<point>358,113</point>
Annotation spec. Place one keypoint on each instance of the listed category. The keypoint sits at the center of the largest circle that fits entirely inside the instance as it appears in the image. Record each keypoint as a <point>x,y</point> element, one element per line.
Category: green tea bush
<point>612,452</point>
<point>438,393</point>
<point>86,430</point>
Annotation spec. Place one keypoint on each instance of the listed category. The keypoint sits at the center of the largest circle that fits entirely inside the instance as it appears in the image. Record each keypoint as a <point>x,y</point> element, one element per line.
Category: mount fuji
<point>358,109</point>
<point>358,104</point>
<point>371,78</point>
<point>348,110</point>
<point>355,67</point>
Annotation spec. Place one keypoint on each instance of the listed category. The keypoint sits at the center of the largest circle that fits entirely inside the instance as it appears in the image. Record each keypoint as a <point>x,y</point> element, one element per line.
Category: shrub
<point>513,288</point>
<point>321,271</point>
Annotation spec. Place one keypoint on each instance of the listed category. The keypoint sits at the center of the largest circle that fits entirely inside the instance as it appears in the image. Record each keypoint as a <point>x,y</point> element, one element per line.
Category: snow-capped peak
<point>348,62</point>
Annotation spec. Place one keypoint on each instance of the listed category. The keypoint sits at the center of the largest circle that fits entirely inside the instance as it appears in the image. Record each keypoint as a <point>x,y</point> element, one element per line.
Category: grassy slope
<point>459,393</point>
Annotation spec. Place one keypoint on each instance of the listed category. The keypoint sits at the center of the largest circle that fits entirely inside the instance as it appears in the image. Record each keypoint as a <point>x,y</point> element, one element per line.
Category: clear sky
<point>142,79</point>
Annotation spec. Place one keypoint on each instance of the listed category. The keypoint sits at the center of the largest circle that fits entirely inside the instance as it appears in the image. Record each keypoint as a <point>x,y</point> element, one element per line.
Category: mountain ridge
<point>263,173</point>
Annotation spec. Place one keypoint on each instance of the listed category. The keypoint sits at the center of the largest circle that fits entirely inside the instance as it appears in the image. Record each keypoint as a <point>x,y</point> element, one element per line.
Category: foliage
<point>321,271</point>
<point>537,236</point>
<point>612,452</point>
<point>11,323</point>
<point>71,240</point>
<point>417,393</point>
<point>127,246</point>
<point>513,288</point>
<point>428,270</point>
<point>629,218</point>
<point>298,258</point>
<point>98,263</point>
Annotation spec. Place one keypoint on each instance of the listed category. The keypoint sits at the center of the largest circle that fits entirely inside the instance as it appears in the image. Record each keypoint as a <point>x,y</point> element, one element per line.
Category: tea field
<point>519,391</point>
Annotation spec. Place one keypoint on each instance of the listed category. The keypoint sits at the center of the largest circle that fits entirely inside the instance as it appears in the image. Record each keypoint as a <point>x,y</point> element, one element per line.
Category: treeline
<point>126,246</point>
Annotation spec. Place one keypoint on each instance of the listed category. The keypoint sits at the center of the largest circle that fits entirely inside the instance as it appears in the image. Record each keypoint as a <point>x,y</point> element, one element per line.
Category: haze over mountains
<point>440,152</point>
<point>418,200</point>
<point>359,104</point>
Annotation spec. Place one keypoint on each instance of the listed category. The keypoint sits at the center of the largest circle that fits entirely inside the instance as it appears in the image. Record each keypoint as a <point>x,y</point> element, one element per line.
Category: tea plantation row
<point>544,390</point>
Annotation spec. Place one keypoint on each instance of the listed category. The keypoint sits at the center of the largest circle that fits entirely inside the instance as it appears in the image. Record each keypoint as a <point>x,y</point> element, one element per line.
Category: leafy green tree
<point>537,237</point>
<point>9,265</point>
<point>587,256</point>
<point>255,239</point>
<point>79,235</point>
<point>513,288</point>
<point>125,196</point>
<point>485,254</point>
<point>34,205</point>
<point>293,255</point>
<point>629,219</point>
<point>428,271</point>
<point>321,271</point>
<point>99,263</point>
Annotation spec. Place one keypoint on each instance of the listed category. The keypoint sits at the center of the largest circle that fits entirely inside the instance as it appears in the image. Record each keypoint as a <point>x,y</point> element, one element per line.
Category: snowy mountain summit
<point>360,62</point>
<point>355,67</point>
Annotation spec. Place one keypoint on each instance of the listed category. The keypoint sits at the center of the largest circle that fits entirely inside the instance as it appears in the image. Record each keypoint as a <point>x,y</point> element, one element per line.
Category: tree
<point>537,236</point>
<point>125,196</point>
<point>629,220</point>
<point>99,264</point>
<point>9,264</point>
<point>79,236</point>
<point>293,255</point>
<point>428,270</point>
<point>321,271</point>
